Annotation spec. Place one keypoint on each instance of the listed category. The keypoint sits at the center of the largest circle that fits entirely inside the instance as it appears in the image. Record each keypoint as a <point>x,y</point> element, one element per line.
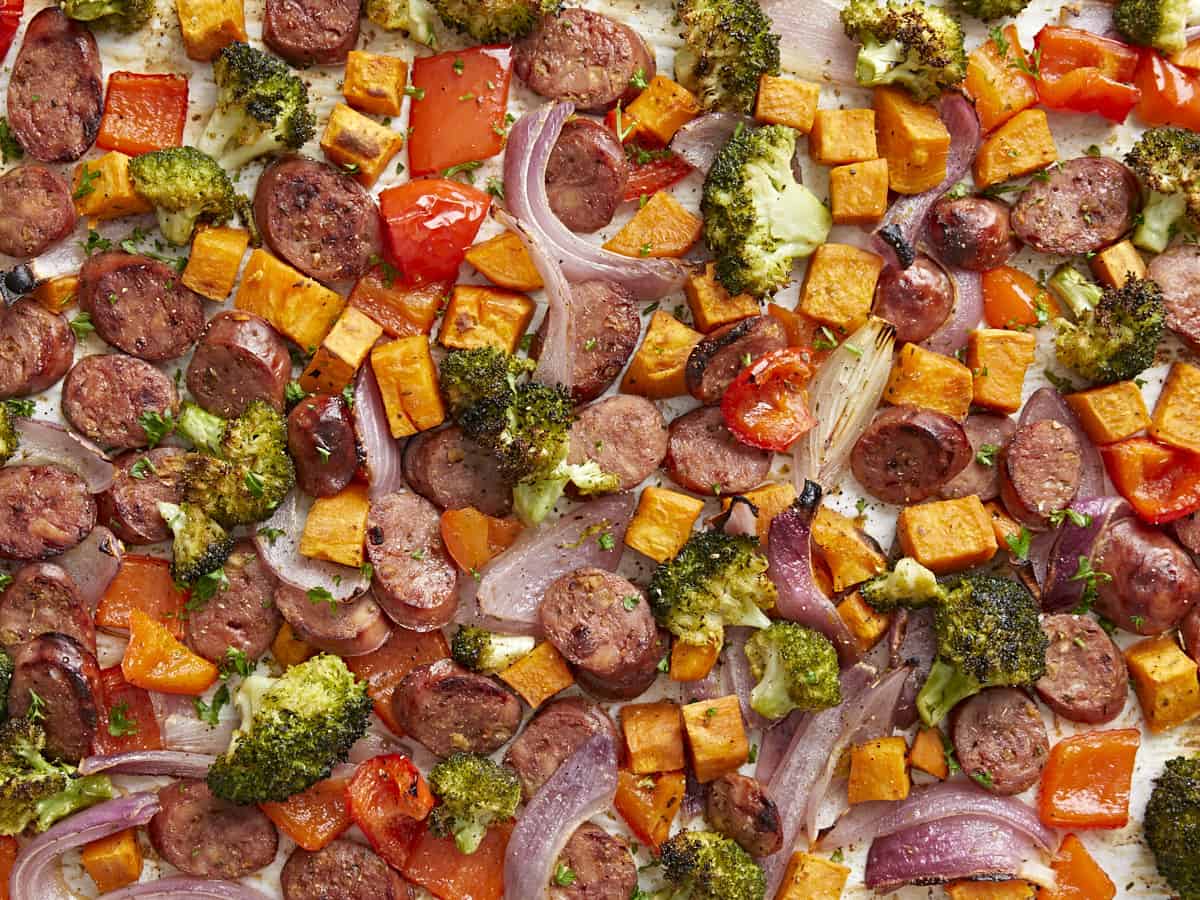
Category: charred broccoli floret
<point>988,635</point>
<point>414,17</point>
<point>717,579</point>
<point>1168,162</point>
<point>199,546</point>
<point>727,47</point>
<point>120,15</point>
<point>475,793</point>
<point>481,650</point>
<point>704,865</point>
<point>1172,825</point>
<point>294,728</point>
<point>1115,338</point>
<point>796,668</point>
<point>992,9</point>
<point>9,439</point>
<point>1157,23</point>
<point>468,376</point>
<point>184,186</point>
<point>908,584</point>
<point>262,107</point>
<point>494,21</point>
<point>201,428</point>
<point>757,219</point>
<point>911,44</point>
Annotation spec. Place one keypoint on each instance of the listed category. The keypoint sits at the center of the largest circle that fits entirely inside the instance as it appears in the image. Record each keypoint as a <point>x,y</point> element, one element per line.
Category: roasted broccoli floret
<point>757,219</point>
<point>481,650</point>
<point>9,440</point>
<point>184,186</point>
<point>6,673</point>
<point>717,579</point>
<point>796,668</point>
<point>468,376</point>
<point>120,15</point>
<point>34,790</point>
<point>908,584</point>
<point>475,792</point>
<point>1168,162</point>
<point>200,544</point>
<point>992,9</point>
<point>988,635</point>
<point>727,46</point>
<point>201,428</point>
<point>414,17</point>
<point>1157,23</point>
<point>704,865</point>
<point>294,729</point>
<point>494,21</point>
<point>911,44</point>
<point>262,107</point>
<point>1116,338</point>
<point>1172,825</point>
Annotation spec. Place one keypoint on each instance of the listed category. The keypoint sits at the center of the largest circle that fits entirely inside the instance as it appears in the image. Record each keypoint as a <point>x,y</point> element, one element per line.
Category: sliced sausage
<point>716,360</point>
<point>316,217</point>
<point>1041,470</point>
<point>139,305</point>
<point>342,870</point>
<point>586,175</point>
<point>354,628</point>
<point>320,436</point>
<point>1086,679</point>
<point>308,32</point>
<point>202,835</point>
<point>605,327</point>
<point>105,397</point>
<point>65,676</point>
<point>415,581</point>
<point>1083,205</point>
<point>54,95</point>
<point>36,348</point>
<point>1154,583</point>
<point>449,709</point>
<point>1187,532</point>
<point>1177,272</point>
<point>624,435</point>
<point>739,808</point>
<point>704,456</point>
<point>141,481</point>
<point>240,359</point>
<point>906,454</point>
<point>989,436</point>
<point>556,731</point>
<point>972,233</point>
<point>1000,740</point>
<point>1189,630</point>
<point>43,597</point>
<point>44,510</point>
<point>583,57</point>
<point>916,300</point>
<point>452,471</point>
<point>602,625</point>
<point>241,615</point>
<point>38,211</point>
<point>601,863</point>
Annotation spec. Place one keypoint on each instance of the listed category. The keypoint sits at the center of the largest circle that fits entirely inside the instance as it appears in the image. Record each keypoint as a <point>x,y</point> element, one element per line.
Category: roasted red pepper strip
<point>430,223</point>
<point>1161,483</point>
<point>767,405</point>
<point>1083,72</point>
<point>10,20</point>
<point>143,112</point>
<point>651,168</point>
<point>1169,94</point>
<point>127,720</point>
<point>1086,780</point>
<point>389,800</point>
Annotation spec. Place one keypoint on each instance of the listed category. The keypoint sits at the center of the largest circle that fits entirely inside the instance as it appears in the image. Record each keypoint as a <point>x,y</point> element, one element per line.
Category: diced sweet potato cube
<point>858,192</point>
<point>661,228</point>
<point>711,304</point>
<point>657,369</point>
<point>401,309</point>
<point>990,890</point>
<point>1020,146</point>
<point>1111,412</point>
<point>208,26</point>
<point>56,294</point>
<point>692,662</point>
<point>653,736</point>
<point>503,260</point>
<point>663,108</point>
<point>810,877</point>
<point>485,317</point>
<point>1164,678</point>
<point>409,384</point>
<point>113,861</point>
<point>359,144</point>
<point>999,89</point>
<point>288,649</point>
<point>1114,264</point>
<point>912,138</point>
<point>879,770</point>
<point>663,522</point>
<point>947,535</point>
<point>1004,525</point>
<point>336,361</point>
<point>867,625</point>
<point>716,736</point>
<point>213,264</point>
<point>786,101</point>
<point>539,675</point>
<point>336,527</point>
<point>298,307</point>
<point>841,136</point>
<point>770,499</point>
<point>928,753</point>
<point>102,188</point>
<point>840,285</point>
<point>930,380</point>
<point>1176,418</point>
<point>374,83</point>
<point>851,556</point>
<point>998,358</point>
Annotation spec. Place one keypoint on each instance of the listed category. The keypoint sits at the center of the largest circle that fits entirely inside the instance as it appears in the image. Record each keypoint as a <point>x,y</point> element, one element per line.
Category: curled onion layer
<point>1047,403</point>
<point>175,763</point>
<point>813,43</point>
<point>278,543</point>
<point>44,443</point>
<point>911,643</point>
<point>383,457</point>
<point>951,335</point>
<point>183,730</point>
<point>741,678</point>
<point>93,564</point>
<point>698,141</point>
<point>1060,589</point>
<point>774,744</point>
<point>185,888</point>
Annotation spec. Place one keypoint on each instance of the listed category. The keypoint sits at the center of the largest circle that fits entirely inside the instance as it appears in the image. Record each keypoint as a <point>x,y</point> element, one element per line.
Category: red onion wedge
<point>184,888</point>
<point>698,141</point>
<point>183,730</point>
<point>382,454</point>
<point>1047,403</point>
<point>35,873</point>
<point>740,677</point>
<point>583,787</point>
<point>868,821</point>
<point>911,643</point>
<point>530,142</point>
<point>93,563</point>
<point>1060,589</point>
<point>149,762</point>
<point>774,744</point>
<point>951,335</point>
<point>278,543</point>
<point>46,443</point>
<point>512,585</point>
<point>813,42</point>
<point>789,554</point>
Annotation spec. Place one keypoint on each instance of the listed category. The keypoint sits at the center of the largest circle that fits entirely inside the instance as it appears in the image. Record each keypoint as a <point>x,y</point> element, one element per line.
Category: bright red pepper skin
<point>1169,95</point>
<point>428,226</point>
<point>1083,72</point>
<point>1161,483</point>
<point>10,21</point>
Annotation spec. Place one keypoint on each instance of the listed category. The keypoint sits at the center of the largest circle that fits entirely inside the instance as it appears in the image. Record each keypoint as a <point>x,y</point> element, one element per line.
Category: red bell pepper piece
<point>651,168</point>
<point>1162,483</point>
<point>767,405</point>
<point>127,720</point>
<point>10,20</point>
<point>1083,72</point>
<point>1170,95</point>
<point>389,800</point>
<point>143,112</point>
<point>1086,780</point>
<point>429,225</point>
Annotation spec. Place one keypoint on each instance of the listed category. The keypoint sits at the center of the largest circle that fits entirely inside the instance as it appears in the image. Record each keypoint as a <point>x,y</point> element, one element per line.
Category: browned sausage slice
<point>320,435</point>
<point>105,397</point>
<point>555,732</point>
<point>449,709</point>
<point>36,348</point>
<point>716,360</point>
<point>64,675</point>
<point>240,359</point>
<point>44,510</point>
<point>1041,471</point>
<point>704,456</point>
<point>353,628</point>
<point>317,218</point>
<point>1000,740</point>
<point>1086,679</point>
<point>602,866</point>
<point>54,95</point>
<point>141,481</point>
<point>38,211</point>
<point>343,870</point>
<point>971,232</point>
<point>916,300</point>
<point>989,435</point>
<point>739,808</point>
<point>308,32</point>
<point>624,435</point>
<point>241,615</point>
<point>139,305</point>
<point>41,598</point>
<point>1177,272</point>
<point>1152,582</point>
<point>583,57</point>
<point>1187,532</point>
<point>1081,206</point>
<point>202,835</point>
<point>906,454</point>
<point>415,581</point>
<point>452,471</point>
<point>586,175</point>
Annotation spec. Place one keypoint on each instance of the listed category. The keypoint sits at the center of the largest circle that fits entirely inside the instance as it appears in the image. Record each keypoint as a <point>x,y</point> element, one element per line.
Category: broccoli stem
<point>1079,294</point>
<point>176,225</point>
<point>533,500</point>
<point>204,430</point>
<point>944,689</point>
<point>1159,221</point>
<point>79,794</point>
